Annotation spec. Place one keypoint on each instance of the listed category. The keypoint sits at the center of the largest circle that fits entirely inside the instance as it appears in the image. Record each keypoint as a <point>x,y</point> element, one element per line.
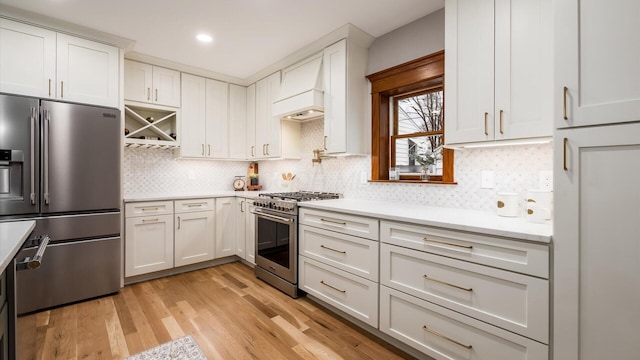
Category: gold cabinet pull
<point>332,287</point>
<point>425,328</point>
<point>156,95</point>
<point>61,89</point>
<point>426,277</point>
<point>486,130</point>
<point>202,149</point>
<point>179,222</point>
<point>209,150</point>
<point>253,147</point>
<point>564,103</point>
<point>49,87</point>
<point>242,206</point>
<point>325,142</point>
<point>564,154</point>
<point>150,208</point>
<point>334,250</point>
<point>501,130</point>
<point>333,221</point>
<point>470,247</point>
<point>194,205</point>
<point>150,220</point>
<point>268,149</point>
<point>264,152</point>
<point>148,94</point>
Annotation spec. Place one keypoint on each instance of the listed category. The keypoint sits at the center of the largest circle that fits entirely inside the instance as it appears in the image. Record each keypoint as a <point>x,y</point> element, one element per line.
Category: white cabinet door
<point>469,70</point>
<point>335,97</point>
<point>597,56</point>
<point>194,237</point>
<point>241,209</point>
<point>252,153</point>
<point>596,246</point>
<point>166,87</point>
<point>238,130</point>
<point>498,70</point>
<point>217,120</point>
<point>193,142</point>
<point>87,72</point>
<point>138,81</point>
<point>27,60</point>
<point>268,127</point>
<point>148,244</point>
<point>225,227</point>
<point>250,232</point>
<point>523,69</point>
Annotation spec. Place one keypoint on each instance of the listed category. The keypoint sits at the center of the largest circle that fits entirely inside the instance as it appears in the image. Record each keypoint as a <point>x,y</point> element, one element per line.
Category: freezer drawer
<point>70,271</point>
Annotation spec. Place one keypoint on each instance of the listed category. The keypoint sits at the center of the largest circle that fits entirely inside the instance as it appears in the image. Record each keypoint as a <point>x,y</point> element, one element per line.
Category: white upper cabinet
<point>498,70</point>
<point>267,133</point>
<point>238,122</point>
<point>251,123</point>
<point>151,84</point>
<point>204,118</point>
<point>27,60</point>
<point>87,72</point>
<point>345,123</point>
<point>41,63</point>
<point>597,60</point>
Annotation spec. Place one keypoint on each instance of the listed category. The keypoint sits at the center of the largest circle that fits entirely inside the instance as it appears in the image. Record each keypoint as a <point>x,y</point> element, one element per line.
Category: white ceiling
<point>249,35</point>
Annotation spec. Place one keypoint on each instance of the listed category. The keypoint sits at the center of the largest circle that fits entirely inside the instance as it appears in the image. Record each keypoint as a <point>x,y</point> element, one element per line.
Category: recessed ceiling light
<point>204,38</point>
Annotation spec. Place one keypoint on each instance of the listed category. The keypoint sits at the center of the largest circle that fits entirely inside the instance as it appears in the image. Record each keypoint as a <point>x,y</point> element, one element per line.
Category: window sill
<point>413,182</point>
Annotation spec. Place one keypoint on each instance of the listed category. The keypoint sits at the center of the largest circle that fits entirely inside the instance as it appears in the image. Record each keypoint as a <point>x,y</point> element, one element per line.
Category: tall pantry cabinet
<point>596,176</point>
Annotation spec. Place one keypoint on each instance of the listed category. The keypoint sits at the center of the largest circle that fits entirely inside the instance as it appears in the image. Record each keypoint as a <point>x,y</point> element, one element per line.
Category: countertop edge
<point>14,234</point>
<point>499,226</point>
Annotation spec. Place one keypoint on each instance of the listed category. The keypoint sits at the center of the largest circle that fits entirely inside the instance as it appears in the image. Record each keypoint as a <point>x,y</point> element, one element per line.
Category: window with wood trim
<point>408,121</point>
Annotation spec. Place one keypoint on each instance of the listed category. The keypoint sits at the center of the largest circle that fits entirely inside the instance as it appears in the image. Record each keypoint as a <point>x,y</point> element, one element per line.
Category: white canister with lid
<point>507,204</point>
<point>539,205</point>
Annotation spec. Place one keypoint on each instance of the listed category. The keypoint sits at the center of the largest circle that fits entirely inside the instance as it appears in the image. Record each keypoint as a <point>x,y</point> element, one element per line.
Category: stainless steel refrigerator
<point>60,166</point>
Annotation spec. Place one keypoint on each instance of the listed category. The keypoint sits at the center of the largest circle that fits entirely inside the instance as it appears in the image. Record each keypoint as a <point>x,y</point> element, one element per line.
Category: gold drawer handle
<point>564,103</point>
<point>334,222</point>
<point>425,328</point>
<point>333,287</point>
<point>194,205</point>
<point>470,247</point>
<point>446,283</point>
<point>328,248</point>
<point>564,154</point>
<point>150,220</point>
<point>150,209</point>
<point>486,130</point>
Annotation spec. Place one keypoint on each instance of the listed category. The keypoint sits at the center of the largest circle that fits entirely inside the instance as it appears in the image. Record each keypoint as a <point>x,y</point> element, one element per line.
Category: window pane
<point>420,113</point>
<point>421,151</point>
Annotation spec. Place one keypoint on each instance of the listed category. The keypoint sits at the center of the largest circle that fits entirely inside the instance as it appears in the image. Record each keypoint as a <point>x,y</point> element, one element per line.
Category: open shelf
<point>151,126</point>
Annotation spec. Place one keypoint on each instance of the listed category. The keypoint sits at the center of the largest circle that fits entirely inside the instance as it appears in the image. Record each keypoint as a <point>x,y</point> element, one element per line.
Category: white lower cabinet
<point>445,334</point>
<point>194,231</point>
<point>225,227</point>
<point>515,302</point>
<point>245,230</point>
<point>148,244</point>
<point>352,294</point>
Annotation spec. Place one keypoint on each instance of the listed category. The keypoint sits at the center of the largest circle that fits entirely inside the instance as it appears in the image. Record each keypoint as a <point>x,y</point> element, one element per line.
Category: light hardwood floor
<point>230,313</point>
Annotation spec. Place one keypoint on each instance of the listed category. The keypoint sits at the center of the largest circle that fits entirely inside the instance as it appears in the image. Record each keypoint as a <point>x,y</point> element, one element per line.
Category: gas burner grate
<point>302,195</point>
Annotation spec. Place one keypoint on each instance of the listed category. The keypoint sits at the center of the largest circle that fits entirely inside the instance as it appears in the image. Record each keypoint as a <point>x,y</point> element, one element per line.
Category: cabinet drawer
<point>503,253</point>
<point>511,301</point>
<point>352,294</point>
<point>148,208</point>
<point>186,206</point>
<point>349,253</point>
<point>347,224</point>
<point>446,334</point>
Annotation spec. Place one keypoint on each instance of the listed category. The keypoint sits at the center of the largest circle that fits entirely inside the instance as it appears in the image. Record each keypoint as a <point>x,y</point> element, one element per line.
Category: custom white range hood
<point>301,92</point>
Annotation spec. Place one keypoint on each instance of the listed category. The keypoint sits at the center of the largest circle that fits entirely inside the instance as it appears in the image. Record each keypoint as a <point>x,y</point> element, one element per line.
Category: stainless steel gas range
<point>277,237</point>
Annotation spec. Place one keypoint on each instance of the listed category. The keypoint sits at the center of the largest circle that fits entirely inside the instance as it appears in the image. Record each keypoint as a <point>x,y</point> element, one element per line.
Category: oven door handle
<point>32,263</point>
<point>273,217</point>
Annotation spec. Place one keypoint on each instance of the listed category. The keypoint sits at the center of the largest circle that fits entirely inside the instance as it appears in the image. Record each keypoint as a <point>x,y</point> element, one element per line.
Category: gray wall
<point>416,39</point>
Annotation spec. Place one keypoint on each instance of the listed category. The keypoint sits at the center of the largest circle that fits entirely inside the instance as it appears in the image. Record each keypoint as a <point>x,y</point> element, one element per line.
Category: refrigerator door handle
<point>47,117</point>
<point>34,115</point>
<point>32,263</point>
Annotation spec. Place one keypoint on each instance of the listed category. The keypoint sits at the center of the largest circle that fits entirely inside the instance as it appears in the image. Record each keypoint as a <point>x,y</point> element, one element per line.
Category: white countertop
<point>12,236</point>
<point>457,219</point>
<point>178,196</point>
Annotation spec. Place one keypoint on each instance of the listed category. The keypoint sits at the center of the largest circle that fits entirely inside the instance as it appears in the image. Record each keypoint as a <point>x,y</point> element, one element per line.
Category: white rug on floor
<point>184,348</point>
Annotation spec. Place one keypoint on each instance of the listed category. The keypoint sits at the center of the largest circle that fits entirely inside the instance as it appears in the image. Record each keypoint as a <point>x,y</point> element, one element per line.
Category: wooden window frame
<point>419,74</point>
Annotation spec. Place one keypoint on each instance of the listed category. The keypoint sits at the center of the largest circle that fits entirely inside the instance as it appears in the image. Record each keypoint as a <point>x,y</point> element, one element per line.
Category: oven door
<point>277,244</point>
